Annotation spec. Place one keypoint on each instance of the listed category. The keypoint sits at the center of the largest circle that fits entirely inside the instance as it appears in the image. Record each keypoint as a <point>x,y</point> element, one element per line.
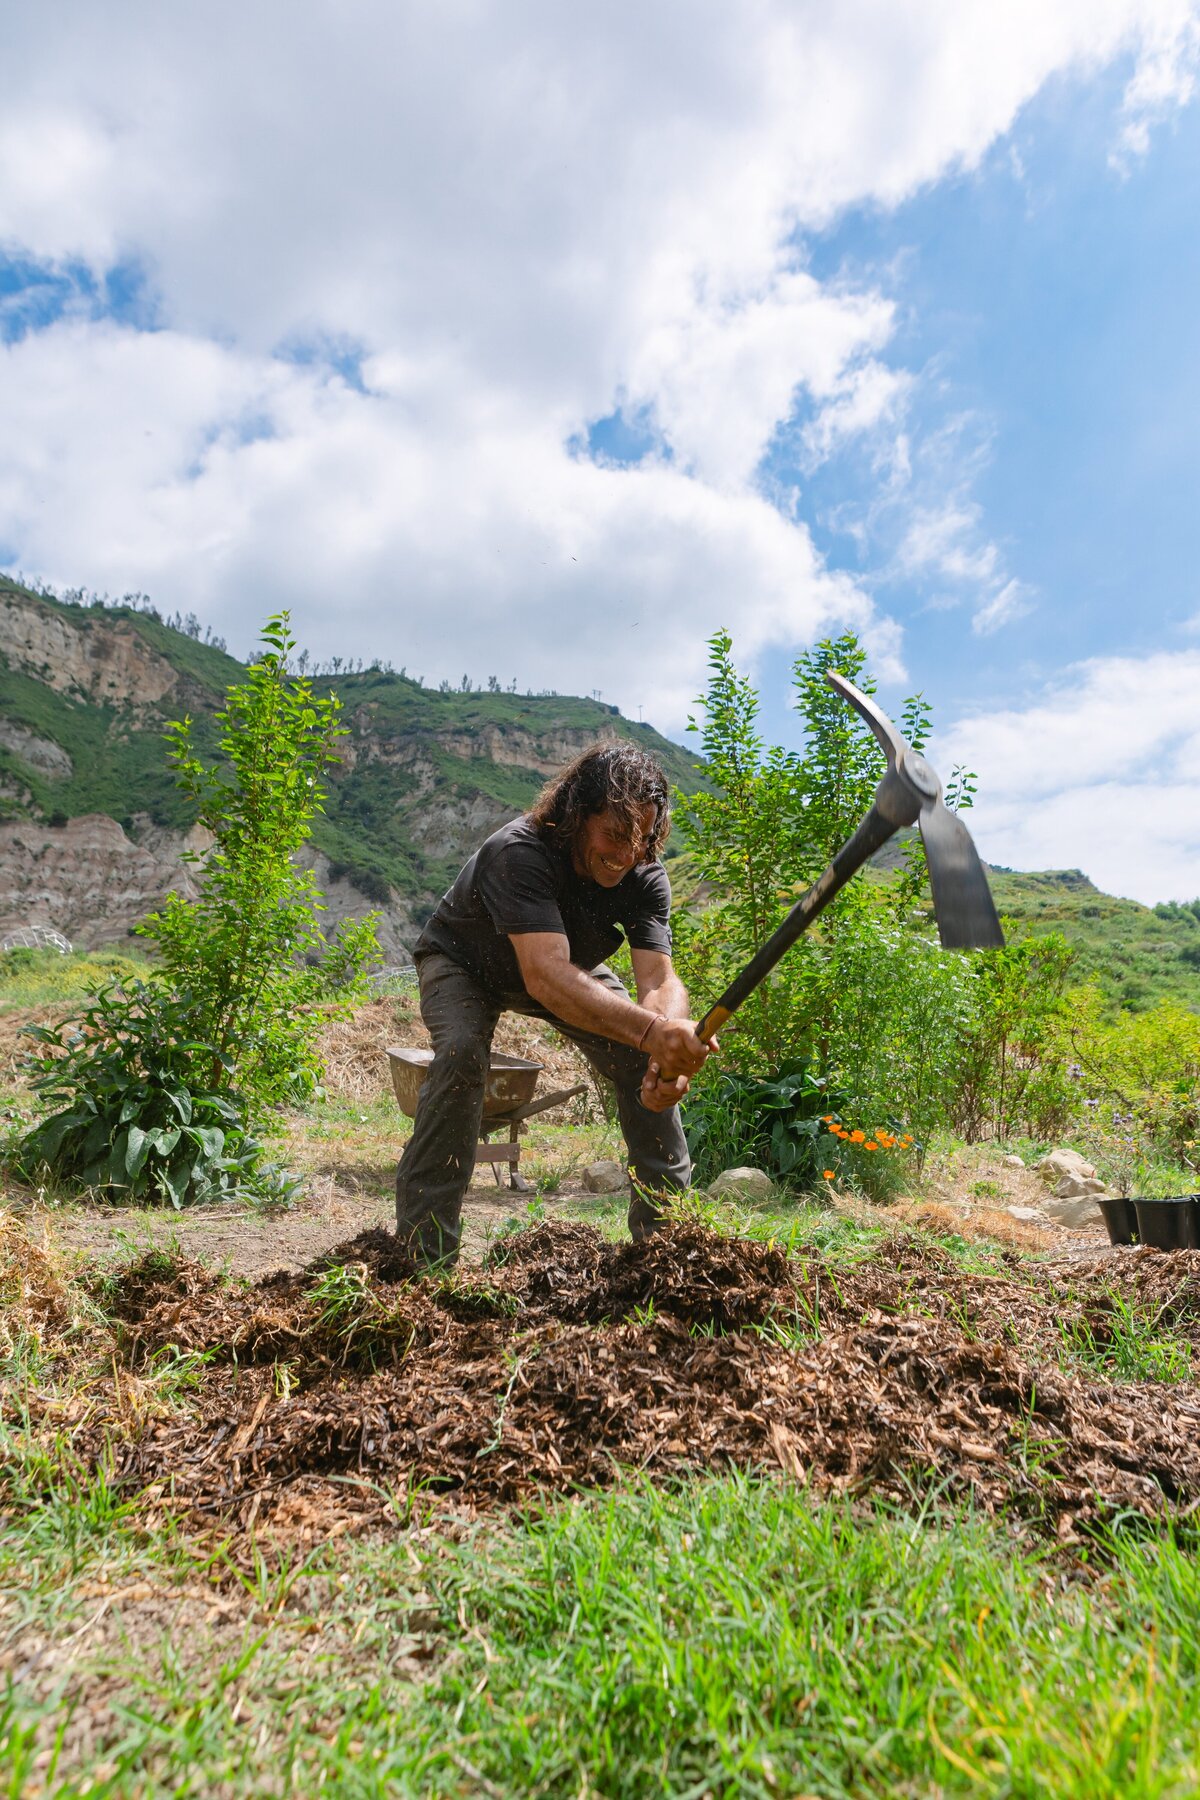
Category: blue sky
<point>541,343</point>
<point>1049,303</point>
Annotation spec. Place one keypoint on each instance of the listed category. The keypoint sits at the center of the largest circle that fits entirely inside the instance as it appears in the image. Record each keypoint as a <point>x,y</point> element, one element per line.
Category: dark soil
<point>575,1358</point>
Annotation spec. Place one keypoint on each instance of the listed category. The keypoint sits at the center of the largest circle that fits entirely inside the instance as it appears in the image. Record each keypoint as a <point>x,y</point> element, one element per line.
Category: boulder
<point>1057,1163</point>
<point>1073,1213</point>
<point>1074,1187</point>
<point>1014,1162</point>
<point>1026,1215</point>
<point>742,1184</point>
<point>605,1177</point>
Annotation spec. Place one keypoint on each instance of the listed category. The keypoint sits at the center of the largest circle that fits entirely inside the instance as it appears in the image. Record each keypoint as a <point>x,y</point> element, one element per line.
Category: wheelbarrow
<point>507,1102</point>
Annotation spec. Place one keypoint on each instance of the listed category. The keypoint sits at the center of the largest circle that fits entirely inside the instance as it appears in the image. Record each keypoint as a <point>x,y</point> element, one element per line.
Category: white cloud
<point>1164,78</point>
<point>1007,604</point>
<point>526,215</point>
<point>721,373</point>
<point>945,541</point>
<point>868,398</point>
<point>420,521</point>
<point>1098,772</point>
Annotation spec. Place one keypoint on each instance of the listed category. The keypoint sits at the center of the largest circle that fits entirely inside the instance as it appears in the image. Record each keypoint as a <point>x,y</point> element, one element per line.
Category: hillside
<point>1136,954</point>
<point>92,825</point>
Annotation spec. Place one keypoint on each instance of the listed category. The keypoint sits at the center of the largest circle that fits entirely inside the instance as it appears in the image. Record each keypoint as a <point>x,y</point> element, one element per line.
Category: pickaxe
<point>909,794</point>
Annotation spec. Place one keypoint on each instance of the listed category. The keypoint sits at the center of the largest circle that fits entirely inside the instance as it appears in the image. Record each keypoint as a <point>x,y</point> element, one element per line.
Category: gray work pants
<point>439,1158</point>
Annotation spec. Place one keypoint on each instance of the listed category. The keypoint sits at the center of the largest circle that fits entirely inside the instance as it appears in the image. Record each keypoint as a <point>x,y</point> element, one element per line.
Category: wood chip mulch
<point>573,1359</point>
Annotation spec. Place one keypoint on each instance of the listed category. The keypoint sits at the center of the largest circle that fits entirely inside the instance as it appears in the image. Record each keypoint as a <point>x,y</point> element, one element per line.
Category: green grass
<point>1135,954</point>
<point>731,1637</point>
<point>31,978</point>
<point>1119,1341</point>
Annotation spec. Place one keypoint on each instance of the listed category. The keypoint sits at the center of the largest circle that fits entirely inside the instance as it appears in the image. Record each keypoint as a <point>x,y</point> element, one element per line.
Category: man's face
<point>604,850</point>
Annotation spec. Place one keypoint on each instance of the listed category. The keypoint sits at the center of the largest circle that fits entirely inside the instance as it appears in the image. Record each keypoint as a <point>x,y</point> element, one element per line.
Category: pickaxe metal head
<point>910,793</point>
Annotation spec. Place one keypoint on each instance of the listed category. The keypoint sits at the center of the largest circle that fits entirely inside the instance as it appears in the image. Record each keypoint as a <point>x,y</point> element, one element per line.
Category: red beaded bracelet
<point>649,1027</point>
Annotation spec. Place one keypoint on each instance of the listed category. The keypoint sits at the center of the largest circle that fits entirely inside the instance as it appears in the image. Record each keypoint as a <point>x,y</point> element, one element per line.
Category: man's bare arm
<point>660,989</point>
<point>658,986</point>
<point>571,994</point>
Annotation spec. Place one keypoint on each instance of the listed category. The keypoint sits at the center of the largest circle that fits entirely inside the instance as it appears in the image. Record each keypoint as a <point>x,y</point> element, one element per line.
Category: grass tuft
<point>1118,1340</point>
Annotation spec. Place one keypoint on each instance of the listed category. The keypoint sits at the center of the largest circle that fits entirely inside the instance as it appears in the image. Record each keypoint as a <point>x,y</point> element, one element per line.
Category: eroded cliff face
<point>417,788</point>
<point>92,882</point>
<point>37,752</point>
<point>96,658</point>
<point>395,926</point>
<point>87,879</point>
<point>507,746</point>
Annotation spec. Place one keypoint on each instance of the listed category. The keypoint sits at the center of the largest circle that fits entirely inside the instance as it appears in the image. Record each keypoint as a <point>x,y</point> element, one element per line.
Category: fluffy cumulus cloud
<point>400,259</point>
<point>1098,772</point>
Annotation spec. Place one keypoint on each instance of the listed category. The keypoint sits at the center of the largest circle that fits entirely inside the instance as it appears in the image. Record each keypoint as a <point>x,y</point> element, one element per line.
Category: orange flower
<point>826,1174</point>
<point>906,1140</point>
<point>870,1144</point>
<point>885,1139</point>
<point>858,1137</point>
<point>827,1118</point>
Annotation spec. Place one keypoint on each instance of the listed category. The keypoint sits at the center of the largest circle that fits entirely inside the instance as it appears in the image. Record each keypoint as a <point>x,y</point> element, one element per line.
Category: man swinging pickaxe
<point>533,914</point>
<point>909,794</point>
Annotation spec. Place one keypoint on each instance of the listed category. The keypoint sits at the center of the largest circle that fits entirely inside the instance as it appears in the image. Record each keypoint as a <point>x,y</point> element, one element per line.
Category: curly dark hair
<point>613,774</point>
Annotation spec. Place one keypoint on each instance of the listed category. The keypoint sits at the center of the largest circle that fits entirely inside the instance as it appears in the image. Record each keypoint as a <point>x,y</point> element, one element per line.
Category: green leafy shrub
<point>1011,1065</point>
<point>155,1090</point>
<point>901,1009</point>
<point>1134,1079</point>
<point>126,1111</point>
<point>847,995</point>
<point>250,951</point>
<point>872,1157</point>
<point>773,1123</point>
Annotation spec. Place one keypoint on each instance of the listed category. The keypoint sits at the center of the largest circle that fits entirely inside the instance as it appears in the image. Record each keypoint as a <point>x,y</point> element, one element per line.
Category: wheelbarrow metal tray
<point>510,1084</point>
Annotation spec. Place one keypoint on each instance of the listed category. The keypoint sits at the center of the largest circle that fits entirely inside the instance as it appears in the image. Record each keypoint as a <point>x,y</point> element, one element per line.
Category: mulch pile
<point>573,1358</point>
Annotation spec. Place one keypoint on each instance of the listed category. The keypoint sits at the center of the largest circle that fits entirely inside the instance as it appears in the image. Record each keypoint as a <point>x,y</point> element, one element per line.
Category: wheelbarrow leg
<point>516,1181</point>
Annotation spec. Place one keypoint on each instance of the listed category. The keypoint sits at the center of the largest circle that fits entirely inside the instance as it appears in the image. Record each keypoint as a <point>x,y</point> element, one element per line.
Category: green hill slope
<point>1136,954</point>
<point>85,692</point>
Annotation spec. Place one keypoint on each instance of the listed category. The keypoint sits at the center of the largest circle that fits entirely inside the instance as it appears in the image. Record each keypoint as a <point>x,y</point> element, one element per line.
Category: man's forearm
<point>669,999</point>
<point>571,994</point>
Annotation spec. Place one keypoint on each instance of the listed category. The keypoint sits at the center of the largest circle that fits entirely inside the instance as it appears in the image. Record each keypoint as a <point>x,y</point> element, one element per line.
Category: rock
<point>1057,1163</point>
<point>605,1177</point>
<point>1074,1212</point>
<point>85,654</point>
<point>1026,1215</point>
<point>1074,1187</point>
<point>742,1184</point>
<point>1014,1162</point>
<point>36,752</point>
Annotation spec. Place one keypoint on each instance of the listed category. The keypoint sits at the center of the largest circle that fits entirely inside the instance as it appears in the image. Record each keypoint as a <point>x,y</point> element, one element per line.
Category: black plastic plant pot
<point>1169,1224</point>
<point>1120,1220</point>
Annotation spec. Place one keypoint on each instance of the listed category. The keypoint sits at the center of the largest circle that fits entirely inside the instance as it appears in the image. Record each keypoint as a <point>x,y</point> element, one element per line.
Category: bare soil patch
<point>573,1358</point>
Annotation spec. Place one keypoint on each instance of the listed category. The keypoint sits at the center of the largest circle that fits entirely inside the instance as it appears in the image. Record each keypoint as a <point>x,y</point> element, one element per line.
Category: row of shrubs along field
<point>835,1493</point>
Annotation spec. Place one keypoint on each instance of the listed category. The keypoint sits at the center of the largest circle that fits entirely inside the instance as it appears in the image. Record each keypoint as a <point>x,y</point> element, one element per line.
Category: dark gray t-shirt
<point>517,881</point>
